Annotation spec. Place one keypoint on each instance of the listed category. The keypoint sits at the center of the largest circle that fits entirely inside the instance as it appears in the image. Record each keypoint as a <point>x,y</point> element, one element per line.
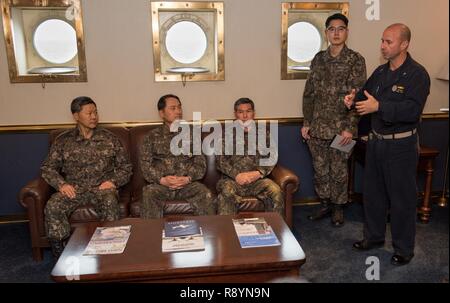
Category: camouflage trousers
<point>231,193</point>
<point>330,171</point>
<point>59,208</point>
<point>197,194</point>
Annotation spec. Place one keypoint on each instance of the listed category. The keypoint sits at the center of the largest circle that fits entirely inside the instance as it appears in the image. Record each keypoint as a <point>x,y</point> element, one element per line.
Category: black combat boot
<point>337,215</point>
<point>57,248</point>
<point>322,212</point>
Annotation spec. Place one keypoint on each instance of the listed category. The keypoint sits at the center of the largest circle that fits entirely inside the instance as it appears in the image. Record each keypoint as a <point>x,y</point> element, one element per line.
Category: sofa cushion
<point>251,204</point>
<point>87,213</point>
<point>170,208</point>
<point>137,183</point>
<point>248,204</point>
<point>84,213</point>
<point>178,207</point>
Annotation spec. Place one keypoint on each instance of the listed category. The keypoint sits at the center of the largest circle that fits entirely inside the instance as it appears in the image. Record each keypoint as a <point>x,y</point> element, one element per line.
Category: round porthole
<point>186,42</point>
<point>304,42</point>
<point>55,41</point>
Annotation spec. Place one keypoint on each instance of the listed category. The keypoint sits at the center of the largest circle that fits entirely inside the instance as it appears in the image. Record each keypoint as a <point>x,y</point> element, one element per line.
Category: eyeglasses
<point>339,29</point>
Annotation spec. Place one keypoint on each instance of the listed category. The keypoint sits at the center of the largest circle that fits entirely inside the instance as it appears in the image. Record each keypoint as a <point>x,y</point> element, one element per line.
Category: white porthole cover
<point>55,41</point>
<point>186,42</point>
<point>304,42</point>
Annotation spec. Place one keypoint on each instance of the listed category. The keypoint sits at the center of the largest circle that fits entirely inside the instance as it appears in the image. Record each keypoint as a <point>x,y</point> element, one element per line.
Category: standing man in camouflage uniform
<point>171,177</point>
<point>86,164</point>
<point>334,73</point>
<point>243,175</point>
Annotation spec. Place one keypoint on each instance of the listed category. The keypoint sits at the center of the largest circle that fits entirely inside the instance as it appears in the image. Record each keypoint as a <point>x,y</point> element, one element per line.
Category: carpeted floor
<point>330,258</point>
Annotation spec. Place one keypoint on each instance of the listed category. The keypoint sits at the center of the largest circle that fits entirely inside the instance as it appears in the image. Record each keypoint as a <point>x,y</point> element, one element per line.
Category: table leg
<point>425,209</point>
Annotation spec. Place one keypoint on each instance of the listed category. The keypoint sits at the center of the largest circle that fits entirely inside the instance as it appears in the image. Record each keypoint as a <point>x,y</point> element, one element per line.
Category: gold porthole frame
<point>218,71</point>
<point>288,8</point>
<point>75,8</point>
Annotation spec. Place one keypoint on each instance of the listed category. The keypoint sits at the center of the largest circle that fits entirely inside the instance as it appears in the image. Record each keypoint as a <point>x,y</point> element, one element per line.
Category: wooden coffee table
<point>222,261</point>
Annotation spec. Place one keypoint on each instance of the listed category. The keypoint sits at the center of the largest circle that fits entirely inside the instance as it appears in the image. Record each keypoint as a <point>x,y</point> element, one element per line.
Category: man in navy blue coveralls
<point>394,96</point>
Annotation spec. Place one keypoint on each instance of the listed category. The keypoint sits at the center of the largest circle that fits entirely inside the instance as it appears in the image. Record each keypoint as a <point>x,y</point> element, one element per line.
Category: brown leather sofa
<point>36,193</point>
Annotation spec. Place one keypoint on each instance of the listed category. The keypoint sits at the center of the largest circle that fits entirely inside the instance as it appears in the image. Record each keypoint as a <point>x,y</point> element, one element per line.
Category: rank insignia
<point>398,89</point>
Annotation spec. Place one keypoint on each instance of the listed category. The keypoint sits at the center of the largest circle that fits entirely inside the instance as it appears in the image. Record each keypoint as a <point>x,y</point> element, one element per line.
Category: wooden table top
<point>143,257</point>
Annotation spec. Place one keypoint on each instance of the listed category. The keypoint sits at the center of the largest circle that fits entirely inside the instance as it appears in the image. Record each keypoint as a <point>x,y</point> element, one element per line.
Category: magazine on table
<point>181,228</point>
<point>255,232</point>
<point>183,235</point>
<point>108,240</point>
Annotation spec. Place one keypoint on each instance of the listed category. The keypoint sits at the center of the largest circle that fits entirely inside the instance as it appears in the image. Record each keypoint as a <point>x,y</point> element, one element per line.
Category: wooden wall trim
<point>281,121</point>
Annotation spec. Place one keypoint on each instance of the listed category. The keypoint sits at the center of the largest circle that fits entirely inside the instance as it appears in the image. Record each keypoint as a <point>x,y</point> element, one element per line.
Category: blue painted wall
<point>20,157</point>
<point>22,153</point>
<point>295,155</point>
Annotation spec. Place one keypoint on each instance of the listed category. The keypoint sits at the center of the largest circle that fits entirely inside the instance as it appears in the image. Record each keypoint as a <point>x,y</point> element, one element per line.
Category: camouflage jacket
<point>86,163</point>
<point>232,165</point>
<point>329,81</point>
<point>157,160</point>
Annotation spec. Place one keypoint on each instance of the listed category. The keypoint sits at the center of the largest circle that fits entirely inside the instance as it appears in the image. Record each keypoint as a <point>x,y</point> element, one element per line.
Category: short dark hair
<point>79,102</point>
<point>243,101</point>
<point>337,16</point>
<point>162,101</point>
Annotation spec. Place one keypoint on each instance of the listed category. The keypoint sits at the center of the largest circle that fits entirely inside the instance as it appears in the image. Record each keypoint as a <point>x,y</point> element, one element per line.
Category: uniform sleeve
<point>369,86</point>
<point>265,170</point>
<point>225,165</point>
<point>150,170</point>
<point>308,96</point>
<point>50,169</point>
<point>410,109</point>
<point>198,168</point>
<point>357,79</point>
<point>122,165</point>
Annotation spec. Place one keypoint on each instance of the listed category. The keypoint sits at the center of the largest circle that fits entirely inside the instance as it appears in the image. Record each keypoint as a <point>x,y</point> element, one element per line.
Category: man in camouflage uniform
<point>171,177</point>
<point>86,164</point>
<point>243,175</point>
<point>334,73</point>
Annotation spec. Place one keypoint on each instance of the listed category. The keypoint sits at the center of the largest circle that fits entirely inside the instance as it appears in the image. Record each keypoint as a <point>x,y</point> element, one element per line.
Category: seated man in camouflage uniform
<point>243,175</point>
<point>171,177</point>
<point>86,164</point>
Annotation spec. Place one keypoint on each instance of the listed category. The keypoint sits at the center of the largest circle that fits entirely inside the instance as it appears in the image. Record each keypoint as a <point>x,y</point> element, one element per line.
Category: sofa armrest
<point>33,197</point>
<point>37,192</point>
<point>285,177</point>
<point>289,183</point>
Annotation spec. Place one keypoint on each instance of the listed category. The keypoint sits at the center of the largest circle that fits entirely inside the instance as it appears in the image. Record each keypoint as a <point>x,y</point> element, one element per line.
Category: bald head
<point>403,30</point>
<point>395,43</point>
